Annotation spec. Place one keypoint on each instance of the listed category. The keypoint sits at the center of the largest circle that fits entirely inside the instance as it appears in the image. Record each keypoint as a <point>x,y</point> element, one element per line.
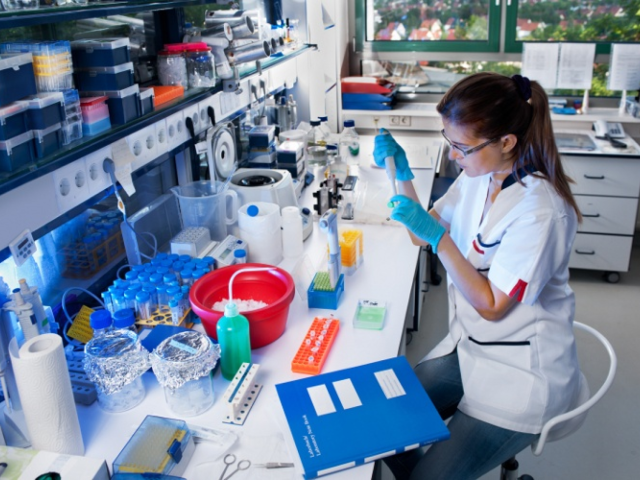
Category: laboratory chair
<point>567,423</point>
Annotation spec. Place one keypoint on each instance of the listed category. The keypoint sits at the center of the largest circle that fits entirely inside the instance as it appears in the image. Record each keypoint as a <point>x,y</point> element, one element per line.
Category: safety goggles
<point>468,151</point>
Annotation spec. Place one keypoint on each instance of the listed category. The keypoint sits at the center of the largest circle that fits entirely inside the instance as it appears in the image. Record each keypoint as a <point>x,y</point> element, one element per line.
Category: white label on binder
<point>390,384</point>
<point>321,400</point>
<point>347,394</point>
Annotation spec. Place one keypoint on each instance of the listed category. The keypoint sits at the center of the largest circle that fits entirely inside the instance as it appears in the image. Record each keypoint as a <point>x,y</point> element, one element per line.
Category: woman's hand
<point>411,214</point>
<point>386,146</point>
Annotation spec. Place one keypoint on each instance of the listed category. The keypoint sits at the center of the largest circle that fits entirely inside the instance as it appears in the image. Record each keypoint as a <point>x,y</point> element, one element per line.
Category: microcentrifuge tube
<point>315,349</point>
<point>312,333</point>
<point>307,342</point>
<point>324,332</point>
<point>311,359</point>
<point>320,337</point>
<point>318,343</point>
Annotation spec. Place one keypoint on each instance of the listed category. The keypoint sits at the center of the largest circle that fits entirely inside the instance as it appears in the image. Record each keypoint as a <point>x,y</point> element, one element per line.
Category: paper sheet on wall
<point>540,63</point>
<point>123,158</point>
<point>624,67</point>
<point>575,68</point>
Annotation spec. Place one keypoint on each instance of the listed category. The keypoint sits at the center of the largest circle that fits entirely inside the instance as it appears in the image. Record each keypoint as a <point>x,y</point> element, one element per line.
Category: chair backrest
<point>567,423</point>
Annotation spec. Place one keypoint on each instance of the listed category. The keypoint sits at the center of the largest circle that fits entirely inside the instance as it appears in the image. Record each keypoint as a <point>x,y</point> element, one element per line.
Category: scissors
<point>230,459</point>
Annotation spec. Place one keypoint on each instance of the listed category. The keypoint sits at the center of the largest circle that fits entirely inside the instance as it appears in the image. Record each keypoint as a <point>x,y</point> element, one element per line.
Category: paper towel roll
<point>45,392</point>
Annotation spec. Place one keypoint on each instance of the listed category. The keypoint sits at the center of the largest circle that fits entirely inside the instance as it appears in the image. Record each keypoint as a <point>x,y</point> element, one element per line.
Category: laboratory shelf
<point>55,14</point>
<point>87,145</point>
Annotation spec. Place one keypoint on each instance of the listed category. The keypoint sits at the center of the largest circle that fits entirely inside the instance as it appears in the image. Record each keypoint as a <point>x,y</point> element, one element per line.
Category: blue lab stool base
<point>324,299</point>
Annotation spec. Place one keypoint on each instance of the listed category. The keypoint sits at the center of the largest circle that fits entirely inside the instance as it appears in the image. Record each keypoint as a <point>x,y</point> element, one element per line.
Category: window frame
<point>492,44</point>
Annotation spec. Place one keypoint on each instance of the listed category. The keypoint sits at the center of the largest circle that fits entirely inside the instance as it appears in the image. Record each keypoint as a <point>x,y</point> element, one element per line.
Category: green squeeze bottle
<point>233,337</point>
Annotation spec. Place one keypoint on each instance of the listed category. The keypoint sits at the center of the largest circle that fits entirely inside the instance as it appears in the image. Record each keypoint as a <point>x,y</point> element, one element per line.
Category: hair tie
<point>524,86</point>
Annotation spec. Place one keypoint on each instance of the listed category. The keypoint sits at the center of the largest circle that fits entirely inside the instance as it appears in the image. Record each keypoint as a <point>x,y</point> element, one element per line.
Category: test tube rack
<point>351,248</point>
<point>315,347</point>
<point>242,393</point>
<point>162,316</point>
<point>82,262</point>
<point>84,390</point>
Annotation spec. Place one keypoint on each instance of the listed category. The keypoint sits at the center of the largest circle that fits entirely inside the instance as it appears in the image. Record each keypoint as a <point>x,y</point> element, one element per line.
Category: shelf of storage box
<point>89,144</point>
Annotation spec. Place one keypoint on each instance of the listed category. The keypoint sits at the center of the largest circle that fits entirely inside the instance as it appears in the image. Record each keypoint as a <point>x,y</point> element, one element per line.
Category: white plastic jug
<point>205,204</point>
<point>260,226</point>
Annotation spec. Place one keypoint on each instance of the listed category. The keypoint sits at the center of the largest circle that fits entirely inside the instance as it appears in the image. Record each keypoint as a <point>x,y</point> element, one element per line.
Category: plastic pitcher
<point>204,204</point>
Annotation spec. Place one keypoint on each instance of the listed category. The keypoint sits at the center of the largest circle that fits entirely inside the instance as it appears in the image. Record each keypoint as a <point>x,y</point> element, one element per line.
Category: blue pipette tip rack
<point>325,299</point>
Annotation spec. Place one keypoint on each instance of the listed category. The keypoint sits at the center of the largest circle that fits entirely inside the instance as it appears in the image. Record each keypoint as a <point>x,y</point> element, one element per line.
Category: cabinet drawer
<point>607,214</point>
<point>601,252</point>
<point>617,177</point>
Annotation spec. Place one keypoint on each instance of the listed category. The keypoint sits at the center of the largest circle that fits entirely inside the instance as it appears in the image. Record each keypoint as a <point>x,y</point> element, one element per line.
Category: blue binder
<point>343,419</point>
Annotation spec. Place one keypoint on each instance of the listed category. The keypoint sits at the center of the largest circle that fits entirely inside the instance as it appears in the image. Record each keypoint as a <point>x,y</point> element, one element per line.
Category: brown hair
<point>494,105</point>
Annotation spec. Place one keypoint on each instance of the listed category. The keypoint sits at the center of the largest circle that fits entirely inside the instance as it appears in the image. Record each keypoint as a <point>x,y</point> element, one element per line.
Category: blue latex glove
<point>386,146</point>
<point>411,214</point>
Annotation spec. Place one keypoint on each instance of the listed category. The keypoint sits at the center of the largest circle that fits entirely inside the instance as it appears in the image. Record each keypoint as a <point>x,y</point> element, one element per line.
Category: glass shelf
<point>87,145</point>
<point>53,14</point>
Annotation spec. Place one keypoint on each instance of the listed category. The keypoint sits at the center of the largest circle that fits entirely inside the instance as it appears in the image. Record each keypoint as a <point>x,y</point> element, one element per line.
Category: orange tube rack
<point>316,345</point>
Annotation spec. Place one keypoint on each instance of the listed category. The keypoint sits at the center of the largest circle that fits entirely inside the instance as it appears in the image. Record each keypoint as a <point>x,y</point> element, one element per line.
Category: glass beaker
<point>115,362</point>
<point>182,364</point>
<point>205,204</point>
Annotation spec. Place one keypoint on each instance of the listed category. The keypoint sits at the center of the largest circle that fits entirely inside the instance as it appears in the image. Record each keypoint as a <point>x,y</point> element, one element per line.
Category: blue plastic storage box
<point>45,110</point>
<point>89,129</point>
<point>104,78</point>
<point>16,77</point>
<point>48,141</point>
<point>146,100</point>
<point>17,152</point>
<point>124,105</point>
<point>100,52</point>
<point>13,120</point>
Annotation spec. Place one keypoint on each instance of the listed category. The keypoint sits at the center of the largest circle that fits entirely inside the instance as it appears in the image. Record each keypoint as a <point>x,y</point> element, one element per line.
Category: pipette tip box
<point>324,298</point>
<point>159,445</point>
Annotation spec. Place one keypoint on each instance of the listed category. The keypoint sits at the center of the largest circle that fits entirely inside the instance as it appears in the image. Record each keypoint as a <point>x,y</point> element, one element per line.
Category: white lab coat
<point>520,371</point>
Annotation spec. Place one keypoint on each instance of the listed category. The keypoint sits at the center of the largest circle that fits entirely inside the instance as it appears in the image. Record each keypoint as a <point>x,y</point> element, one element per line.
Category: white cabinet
<point>606,189</point>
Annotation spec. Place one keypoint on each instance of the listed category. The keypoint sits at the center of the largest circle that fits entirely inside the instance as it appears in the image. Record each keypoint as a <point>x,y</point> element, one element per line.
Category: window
<point>572,21</point>
<point>469,34</point>
<point>430,25</point>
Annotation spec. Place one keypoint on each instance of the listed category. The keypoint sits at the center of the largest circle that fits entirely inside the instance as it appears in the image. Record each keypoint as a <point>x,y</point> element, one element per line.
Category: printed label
<point>347,394</point>
<point>183,347</point>
<point>390,384</point>
<point>321,400</point>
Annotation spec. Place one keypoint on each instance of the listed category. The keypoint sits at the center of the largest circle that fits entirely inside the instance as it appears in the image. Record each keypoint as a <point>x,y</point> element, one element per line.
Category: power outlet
<point>143,146</point>
<point>203,109</point>
<point>97,178</point>
<point>400,121</point>
<point>177,132</point>
<point>194,113</point>
<point>71,185</point>
<point>162,139</point>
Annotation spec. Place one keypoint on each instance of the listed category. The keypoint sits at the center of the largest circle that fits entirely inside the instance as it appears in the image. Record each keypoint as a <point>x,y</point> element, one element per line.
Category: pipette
<point>390,168</point>
<point>328,223</point>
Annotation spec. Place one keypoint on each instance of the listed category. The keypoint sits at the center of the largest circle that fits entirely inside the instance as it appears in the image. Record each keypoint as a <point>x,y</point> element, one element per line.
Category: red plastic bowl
<point>266,324</point>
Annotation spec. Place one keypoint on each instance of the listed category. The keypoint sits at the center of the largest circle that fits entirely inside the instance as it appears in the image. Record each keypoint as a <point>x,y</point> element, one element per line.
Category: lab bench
<point>387,273</point>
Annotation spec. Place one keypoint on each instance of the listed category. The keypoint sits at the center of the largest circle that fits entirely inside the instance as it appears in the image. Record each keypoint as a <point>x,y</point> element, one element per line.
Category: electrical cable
<point>109,167</point>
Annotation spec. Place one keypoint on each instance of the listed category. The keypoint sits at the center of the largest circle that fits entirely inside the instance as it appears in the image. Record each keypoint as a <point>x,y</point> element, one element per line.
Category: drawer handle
<point>591,215</point>
<point>594,177</point>
<point>585,252</point>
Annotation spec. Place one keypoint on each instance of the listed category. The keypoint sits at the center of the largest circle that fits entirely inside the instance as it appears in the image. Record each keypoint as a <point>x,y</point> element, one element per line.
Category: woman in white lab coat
<point>503,232</point>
